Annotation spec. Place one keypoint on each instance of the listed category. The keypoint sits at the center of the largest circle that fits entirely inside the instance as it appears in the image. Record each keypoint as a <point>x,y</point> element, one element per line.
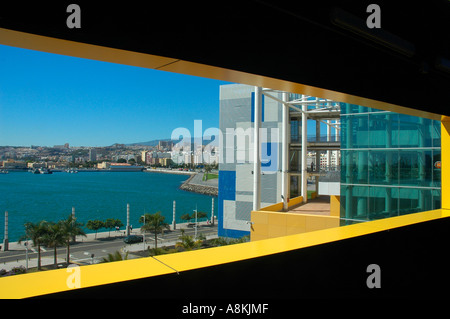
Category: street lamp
<point>195,227</point>
<point>144,230</point>
<point>26,256</point>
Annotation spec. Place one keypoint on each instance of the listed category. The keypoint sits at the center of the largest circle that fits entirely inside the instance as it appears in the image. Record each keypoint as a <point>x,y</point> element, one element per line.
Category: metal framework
<point>304,107</point>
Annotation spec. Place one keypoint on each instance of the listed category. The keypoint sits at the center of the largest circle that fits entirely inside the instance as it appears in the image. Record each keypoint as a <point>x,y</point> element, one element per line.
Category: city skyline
<point>48,99</point>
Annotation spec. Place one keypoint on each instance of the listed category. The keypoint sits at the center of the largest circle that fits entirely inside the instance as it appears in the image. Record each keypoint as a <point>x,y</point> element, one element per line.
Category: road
<point>82,251</point>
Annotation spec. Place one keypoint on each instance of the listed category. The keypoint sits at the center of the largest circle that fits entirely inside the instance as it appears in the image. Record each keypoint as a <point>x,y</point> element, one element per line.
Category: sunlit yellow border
<point>46,282</point>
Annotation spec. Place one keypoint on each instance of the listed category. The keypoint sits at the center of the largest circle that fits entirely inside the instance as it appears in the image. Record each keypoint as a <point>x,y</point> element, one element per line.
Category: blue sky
<point>48,99</point>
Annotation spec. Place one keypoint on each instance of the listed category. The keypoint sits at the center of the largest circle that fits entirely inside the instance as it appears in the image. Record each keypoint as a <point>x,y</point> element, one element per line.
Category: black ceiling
<point>289,40</point>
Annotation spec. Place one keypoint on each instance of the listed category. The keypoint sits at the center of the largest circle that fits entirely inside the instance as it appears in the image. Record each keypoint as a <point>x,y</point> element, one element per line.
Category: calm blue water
<point>95,195</point>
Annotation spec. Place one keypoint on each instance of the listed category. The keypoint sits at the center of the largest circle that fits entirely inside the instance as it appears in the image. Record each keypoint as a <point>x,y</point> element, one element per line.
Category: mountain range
<point>206,141</point>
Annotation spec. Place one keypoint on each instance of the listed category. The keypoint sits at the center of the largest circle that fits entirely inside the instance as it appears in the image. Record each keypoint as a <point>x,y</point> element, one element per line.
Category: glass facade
<point>390,164</point>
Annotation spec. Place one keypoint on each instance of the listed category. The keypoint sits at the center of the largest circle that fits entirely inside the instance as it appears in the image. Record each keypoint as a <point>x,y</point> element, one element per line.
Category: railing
<point>296,138</point>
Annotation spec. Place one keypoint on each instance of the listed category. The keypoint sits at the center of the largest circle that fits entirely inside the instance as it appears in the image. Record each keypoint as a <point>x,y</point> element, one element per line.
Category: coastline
<point>188,185</point>
<point>169,171</point>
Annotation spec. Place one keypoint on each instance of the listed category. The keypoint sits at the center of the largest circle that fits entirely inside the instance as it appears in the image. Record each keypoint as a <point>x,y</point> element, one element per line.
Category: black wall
<point>289,40</point>
<point>413,263</point>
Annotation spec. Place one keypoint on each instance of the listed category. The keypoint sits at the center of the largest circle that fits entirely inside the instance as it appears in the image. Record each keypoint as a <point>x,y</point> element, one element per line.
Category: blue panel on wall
<point>227,185</point>
<point>253,108</point>
<point>227,191</point>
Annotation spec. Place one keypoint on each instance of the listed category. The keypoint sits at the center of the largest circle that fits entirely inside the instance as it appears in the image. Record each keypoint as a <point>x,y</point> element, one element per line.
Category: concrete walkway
<point>198,180</point>
<point>317,206</point>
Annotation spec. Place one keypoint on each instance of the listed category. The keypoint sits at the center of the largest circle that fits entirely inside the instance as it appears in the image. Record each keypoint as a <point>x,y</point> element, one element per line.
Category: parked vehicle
<point>133,239</point>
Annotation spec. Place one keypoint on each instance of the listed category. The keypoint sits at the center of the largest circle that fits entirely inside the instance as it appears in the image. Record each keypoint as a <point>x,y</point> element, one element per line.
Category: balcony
<point>319,213</point>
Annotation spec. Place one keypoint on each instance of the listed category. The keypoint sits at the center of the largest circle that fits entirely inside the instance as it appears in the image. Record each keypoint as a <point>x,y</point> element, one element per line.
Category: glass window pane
<point>354,167</point>
<point>295,131</point>
<point>415,167</point>
<point>426,172</point>
<point>436,194</point>
<point>408,131</point>
<point>408,200</point>
<point>436,134</point>
<point>400,154</point>
<point>377,130</point>
<point>354,130</point>
<point>360,127</point>
<point>294,163</point>
<point>408,168</point>
<point>349,167</point>
<point>436,168</point>
<point>425,130</point>
<point>354,203</point>
<point>383,167</point>
<point>360,173</point>
<point>360,202</point>
<point>383,202</point>
<point>295,186</point>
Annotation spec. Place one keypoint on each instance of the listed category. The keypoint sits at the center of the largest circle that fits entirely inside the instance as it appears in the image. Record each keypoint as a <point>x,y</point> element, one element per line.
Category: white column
<point>74,238</point>
<point>5,246</point>
<point>336,132</point>
<point>128,219</point>
<point>328,140</point>
<point>256,150</point>
<point>212,211</point>
<point>285,152</point>
<point>174,224</point>
<point>304,150</point>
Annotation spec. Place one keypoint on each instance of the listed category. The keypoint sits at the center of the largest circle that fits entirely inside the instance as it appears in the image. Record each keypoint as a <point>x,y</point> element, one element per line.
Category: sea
<point>95,195</point>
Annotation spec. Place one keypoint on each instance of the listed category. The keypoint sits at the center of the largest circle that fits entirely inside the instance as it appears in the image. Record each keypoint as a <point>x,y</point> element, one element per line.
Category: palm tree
<point>188,242</point>
<point>55,237</point>
<point>199,214</point>
<point>71,228</point>
<point>208,169</point>
<point>155,223</point>
<point>111,223</point>
<point>35,232</point>
<point>95,225</point>
<point>186,217</point>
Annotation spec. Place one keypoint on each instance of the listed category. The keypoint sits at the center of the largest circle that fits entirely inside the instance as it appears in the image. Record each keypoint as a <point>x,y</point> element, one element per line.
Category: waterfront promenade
<point>169,171</point>
<point>88,250</point>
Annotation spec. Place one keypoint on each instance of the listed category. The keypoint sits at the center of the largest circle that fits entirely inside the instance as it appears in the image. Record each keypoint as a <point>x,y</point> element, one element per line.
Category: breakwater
<point>192,185</point>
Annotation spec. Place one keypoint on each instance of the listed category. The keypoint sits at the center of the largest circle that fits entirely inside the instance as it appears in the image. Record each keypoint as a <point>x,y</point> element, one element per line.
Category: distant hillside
<point>149,143</point>
<point>205,141</point>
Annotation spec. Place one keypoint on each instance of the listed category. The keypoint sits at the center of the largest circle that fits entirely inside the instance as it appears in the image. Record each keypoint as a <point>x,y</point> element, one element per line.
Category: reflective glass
<point>408,200</point>
<point>415,167</point>
<point>436,134</point>
<point>383,130</point>
<point>383,202</point>
<point>383,167</point>
<point>354,130</point>
<point>436,194</point>
<point>436,167</point>
<point>354,167</point>
<point>294,187</point>
<point>386,148</point>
